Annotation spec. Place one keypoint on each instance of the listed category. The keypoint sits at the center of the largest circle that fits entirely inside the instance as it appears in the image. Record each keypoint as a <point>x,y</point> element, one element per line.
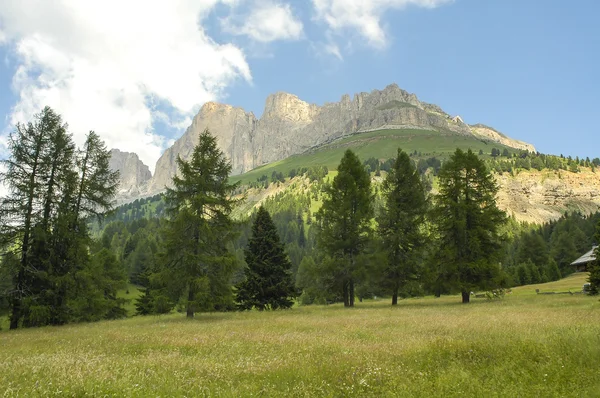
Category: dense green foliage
<point>196,261</point>
<point>543,253</point>
<point>401,226</point>
<point>361,231</point>
<point>468,222</point>
<point>268,284</point>
<point>47,252</point>
<point>344,225</point>
<point>594,267</point>
<point>525,160</point>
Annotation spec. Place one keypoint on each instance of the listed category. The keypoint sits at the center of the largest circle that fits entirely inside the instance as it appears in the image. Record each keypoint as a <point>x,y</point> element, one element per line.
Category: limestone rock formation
<point>290,126</point>
<point>132,172</point>
<point>234,129</point>
<point>539,196</point>
<point>489,133</point>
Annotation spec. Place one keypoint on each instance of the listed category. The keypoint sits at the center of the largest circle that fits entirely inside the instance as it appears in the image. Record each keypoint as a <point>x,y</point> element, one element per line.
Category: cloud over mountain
<point>104,65</point>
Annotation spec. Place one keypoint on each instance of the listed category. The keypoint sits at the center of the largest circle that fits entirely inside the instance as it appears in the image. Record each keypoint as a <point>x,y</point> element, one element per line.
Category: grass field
<point>130,294</point>
<point>381,144</point>
<point>524,345</point>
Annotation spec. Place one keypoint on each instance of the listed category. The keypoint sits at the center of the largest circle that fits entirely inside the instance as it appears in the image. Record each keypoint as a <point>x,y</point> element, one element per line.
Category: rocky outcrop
<point>233,128</point>
<point>133,174</point>
<point>540,196</point>
<point>489,133</point>
<point>291,126</point>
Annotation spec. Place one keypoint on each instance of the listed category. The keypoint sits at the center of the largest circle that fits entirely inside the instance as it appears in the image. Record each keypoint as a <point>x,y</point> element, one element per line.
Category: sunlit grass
<point>381,144</point>
<point>130,293</point>
<point>573,283</point>
<point>524,345</point>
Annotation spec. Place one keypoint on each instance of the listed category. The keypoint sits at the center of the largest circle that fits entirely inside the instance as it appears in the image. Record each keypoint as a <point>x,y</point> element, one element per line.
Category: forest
<point>374,228</point>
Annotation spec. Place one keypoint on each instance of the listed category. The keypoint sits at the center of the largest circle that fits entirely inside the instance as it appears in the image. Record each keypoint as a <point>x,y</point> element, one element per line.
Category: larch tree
<point>197,260</point>
<point>468,222</point>
<point>344,224</point>
<point>268,283</point>
<point>39,224</point>
<point>21,209</point>
<point>401,224</point>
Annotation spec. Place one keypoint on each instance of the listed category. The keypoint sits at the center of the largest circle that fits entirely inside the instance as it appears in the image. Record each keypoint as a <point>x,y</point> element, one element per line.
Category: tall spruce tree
<point>344,224</point>
<point>468,223</point>
<point>401,224</point>
<point>268,283</point>
<point>197,260</point>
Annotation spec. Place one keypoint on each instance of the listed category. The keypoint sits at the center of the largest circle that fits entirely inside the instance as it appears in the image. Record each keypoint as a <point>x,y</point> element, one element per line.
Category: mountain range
<point>290,126</point>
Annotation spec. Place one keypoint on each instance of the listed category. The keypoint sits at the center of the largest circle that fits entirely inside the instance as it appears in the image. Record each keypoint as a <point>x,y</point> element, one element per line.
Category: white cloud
<point>268,21</point>
<point>100,63</point>
<point>363,16</point>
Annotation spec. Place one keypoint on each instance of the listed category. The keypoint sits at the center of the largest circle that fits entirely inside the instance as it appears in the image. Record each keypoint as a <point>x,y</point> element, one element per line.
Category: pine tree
<point>197,260</point>
<point>345,223</point>
<point>401,224</point>
<point>594,267</point>
<point>468,223</point>
<point>268,283</point>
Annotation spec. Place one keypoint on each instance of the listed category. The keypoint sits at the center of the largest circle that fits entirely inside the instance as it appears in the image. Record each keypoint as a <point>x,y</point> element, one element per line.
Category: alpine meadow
<point>200,199</point>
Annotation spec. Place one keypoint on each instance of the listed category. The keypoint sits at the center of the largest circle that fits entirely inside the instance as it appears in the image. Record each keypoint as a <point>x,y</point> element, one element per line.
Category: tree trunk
<point>466,296</point>
<point>82,182</point>
<point>351,292</point>
<point>15,315</point>
<point>395,296</point>
<point>18,297</point>
<point>346,294</point>
<point>190,304</point>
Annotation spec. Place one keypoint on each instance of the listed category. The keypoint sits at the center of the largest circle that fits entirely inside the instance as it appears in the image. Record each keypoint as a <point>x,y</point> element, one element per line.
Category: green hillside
<point>380,144</point>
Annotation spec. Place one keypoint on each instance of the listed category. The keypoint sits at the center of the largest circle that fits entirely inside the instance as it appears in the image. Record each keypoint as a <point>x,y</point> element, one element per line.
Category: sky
<point>137,71</point>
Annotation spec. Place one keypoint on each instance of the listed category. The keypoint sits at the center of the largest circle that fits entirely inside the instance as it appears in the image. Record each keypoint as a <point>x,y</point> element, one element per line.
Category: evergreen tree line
<point>526,160</point>
<point>544,253</point>
<point>394,240</point>
<point>418,264</point>
<point>416,245</point>
<point>45,245</point>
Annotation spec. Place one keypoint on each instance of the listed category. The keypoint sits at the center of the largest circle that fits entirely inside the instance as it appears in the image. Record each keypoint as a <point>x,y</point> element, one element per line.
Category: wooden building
<point>582,262</point>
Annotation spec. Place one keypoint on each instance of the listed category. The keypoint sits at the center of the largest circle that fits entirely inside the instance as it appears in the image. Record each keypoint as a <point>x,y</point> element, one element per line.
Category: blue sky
<point>136,72</point>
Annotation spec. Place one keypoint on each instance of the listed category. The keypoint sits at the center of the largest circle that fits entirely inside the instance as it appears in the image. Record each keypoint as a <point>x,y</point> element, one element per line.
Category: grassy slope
<point>524,345</point>
<point>382,144</point>
<point>131,293</point>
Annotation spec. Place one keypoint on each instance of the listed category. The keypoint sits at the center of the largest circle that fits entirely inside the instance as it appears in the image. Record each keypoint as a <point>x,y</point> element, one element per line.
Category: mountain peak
<point>288,107</point>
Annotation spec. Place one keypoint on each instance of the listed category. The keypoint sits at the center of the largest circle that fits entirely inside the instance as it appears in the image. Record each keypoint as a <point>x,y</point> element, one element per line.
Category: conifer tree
<point>468,223</point>
<point>42,220</point>
<point>268,283</point>
<point>197,260</point>
<point>401,224</point>
<point>20,210</point>
<point>594,267</point>
<point>345,223</point>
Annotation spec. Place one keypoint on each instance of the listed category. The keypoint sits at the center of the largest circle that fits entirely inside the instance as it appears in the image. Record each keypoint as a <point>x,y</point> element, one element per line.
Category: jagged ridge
<point>291,126</point>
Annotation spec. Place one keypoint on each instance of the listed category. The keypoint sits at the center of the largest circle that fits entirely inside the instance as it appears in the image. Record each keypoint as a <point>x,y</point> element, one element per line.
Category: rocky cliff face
<point>489,133</point>
<point>290,126</point>
<point>540,196</point>
<point>233,128</point>
<point>133,173</point>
